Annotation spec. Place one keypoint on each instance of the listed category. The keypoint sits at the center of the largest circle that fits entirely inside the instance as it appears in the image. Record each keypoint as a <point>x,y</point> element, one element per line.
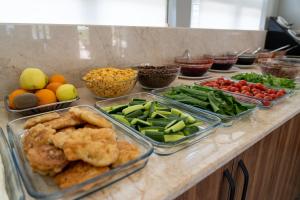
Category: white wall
<point>290,10</point>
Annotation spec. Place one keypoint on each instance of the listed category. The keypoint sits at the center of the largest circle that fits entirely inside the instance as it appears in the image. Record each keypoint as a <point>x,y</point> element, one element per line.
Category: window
<point>227,14</point>
<point>102,12</point>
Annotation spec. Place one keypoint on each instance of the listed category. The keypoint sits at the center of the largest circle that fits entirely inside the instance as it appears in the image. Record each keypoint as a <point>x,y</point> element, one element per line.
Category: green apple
<point>33,79</point>
<point>66,92</point>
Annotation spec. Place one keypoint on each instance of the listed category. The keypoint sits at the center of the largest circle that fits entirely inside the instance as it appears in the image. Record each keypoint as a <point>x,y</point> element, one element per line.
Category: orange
<point>57,78</point>
<point>12,96</point>
<point>45,96</point>
<point>53,86</point>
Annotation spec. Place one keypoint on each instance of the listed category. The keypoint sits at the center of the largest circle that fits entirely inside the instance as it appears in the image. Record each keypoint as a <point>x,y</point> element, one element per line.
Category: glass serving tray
<point>226,119</point>
<point>11,179</point>
<point>39,109</point>
<point>297,85</point>
<point>272,102</point>
<point>162,148</point>
<point>43,187</point>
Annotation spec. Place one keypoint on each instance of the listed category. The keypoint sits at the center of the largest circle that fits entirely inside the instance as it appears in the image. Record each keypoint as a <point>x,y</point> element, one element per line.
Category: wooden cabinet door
<point>214,187</point>
<point>259,161</point>
<point>273,165</point>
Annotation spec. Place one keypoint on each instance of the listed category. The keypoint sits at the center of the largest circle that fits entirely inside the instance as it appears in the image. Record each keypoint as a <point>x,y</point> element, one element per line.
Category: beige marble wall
<point>72,50</point>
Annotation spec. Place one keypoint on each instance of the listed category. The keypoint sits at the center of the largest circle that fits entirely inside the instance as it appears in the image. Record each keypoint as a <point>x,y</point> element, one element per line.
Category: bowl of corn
<point>110,82</point>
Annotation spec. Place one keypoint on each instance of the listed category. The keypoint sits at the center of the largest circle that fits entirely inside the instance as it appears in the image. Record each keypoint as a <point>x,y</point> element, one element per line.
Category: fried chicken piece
<point>65,121</point>
<point>37,135</point>
<point>127,153</point>
<point>47,159</point>
<point>40,119</point>
<point>97,147</point>
<point>90,126</point>
<point>68,129</point>
<point>90,117</point>
<point>78,172</point>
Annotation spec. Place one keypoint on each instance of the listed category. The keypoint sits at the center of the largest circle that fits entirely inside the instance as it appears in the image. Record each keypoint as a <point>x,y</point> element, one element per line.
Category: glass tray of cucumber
<point>168,126</point>
<point>227,107</point>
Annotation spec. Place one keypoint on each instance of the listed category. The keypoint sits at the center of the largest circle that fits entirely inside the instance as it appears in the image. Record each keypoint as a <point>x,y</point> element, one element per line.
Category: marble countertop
<point>166,177</point>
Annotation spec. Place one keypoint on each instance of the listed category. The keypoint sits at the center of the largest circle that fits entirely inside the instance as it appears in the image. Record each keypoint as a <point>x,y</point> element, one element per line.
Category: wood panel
<point>273,165</point>
<point>214,187</point>
<point>259,160</point>
<point>286,177</point>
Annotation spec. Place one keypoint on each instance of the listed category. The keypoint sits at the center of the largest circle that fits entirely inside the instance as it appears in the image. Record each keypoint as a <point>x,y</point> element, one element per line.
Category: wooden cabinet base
<point>273,165</point>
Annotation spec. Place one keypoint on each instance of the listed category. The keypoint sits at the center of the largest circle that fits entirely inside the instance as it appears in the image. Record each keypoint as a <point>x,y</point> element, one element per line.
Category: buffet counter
<point>167,177</point>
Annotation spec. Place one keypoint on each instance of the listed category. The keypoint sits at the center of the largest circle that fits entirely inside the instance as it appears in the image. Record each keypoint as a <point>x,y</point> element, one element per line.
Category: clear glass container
<point>162,148</point>
<point>261,105</point>
<point>11,179</point>
<point>226,119</point>
<point>44,187</point>
<point>40,109</point>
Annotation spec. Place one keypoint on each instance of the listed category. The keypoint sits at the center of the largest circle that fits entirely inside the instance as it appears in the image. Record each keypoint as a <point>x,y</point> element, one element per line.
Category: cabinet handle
<point>231,183</point>
<point>242,165</point>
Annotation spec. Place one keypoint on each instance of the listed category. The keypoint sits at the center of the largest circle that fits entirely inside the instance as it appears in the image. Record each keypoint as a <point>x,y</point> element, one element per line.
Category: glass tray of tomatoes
<point>266,95</point>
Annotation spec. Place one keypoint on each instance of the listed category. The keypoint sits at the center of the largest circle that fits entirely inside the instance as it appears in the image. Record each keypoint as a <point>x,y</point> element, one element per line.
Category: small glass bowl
<point>194,70</point>
<point>279,68</point>
<point>151,76</point>
<point>193,60</point>
<point>223,62</point>
<point>246,59</point>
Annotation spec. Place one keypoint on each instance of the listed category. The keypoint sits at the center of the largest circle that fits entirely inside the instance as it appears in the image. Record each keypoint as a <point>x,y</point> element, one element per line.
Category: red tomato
<point>245,88</point>
<point>282,91</point>
<point>243,82</point>
<point>266,103</point>
<point>268,98</point>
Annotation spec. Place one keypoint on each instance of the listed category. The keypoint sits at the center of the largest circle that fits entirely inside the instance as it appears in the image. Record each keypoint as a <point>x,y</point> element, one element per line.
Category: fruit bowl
<point>110,82</point>
<point>39,109</point>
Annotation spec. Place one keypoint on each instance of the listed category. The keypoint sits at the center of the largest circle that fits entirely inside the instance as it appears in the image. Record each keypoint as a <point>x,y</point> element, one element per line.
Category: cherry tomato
<point>268,98</point>
<point>243,82</point>
<point>266,103</point>
<point>282,91</point>
<point>245,88</point>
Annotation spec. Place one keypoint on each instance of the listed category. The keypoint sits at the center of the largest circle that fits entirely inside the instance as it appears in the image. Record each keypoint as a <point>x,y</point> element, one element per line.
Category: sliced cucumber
<point>130,109</point>
<point>137,121</point>
<point>157,136</point>
<point>107,109</point>
<point>135,114</point>
<point>159,122</point>
<point>172,138</point>
<point>137,102</point>
<point>151,128</point>
<point>147,105</point>
<point>170,124</point>
<point>197,123</point>
<point>176,111</point>
<point>121,118</point>
<point>190,130</point>
<point>190,118</point>
<point>176,127</point>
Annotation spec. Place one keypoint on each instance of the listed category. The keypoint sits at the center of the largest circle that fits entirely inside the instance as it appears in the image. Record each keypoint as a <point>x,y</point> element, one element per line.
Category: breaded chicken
<point>127,153</point>
<point>78,172</point>
<point>90,117</point>
<point>47,159</point>
<point>65,121</point>
<point>37,135</point>
<point>60,137</point>
<point>97,147</point>
<point>40,119</point>
<point>90,126</point>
